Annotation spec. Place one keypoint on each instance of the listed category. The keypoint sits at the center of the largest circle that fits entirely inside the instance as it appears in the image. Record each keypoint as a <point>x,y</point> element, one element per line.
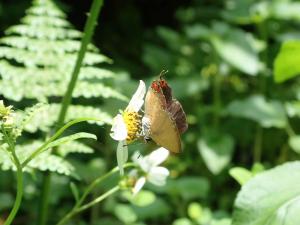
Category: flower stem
<point>18,165</point>
<point>19,196</point>
<point>99,199</point>
<point>87,35</point>
<point>78,208</point>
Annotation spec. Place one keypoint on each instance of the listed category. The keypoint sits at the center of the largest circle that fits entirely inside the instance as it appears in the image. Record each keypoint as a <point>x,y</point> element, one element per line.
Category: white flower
<point>126,125</point>
<point>153,173</point>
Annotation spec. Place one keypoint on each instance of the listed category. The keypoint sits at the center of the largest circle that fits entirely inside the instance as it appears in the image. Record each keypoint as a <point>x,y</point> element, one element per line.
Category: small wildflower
<point>126,125</point>
<point>6,115</point>
<point>150,169</point>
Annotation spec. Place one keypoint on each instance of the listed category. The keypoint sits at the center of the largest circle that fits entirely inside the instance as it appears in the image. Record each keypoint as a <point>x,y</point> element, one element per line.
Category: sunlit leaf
<point>235,47</point>
<point>286,65</point>
<point>240,174</point>
<point>216,150</point>
<point>256,108</point>
<point>294,142</point>
<point>125,213</point>
<point>182,221</point>
<point>271,197</point>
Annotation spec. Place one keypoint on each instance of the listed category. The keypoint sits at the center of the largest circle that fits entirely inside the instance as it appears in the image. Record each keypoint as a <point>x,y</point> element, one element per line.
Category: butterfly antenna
<point>163,73</point>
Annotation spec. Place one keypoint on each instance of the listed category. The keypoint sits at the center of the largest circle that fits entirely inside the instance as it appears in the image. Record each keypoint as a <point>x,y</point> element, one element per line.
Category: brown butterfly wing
<point>163,129</point>
<point>176,111</point>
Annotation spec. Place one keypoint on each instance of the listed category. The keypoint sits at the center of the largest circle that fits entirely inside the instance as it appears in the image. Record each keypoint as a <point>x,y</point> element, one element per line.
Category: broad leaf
<point>266,113</point>
<point>271,197</point>
<point>192,187</point>
<point>241,175</point>
<point>286,65</point>
<point>294,143</point>
<point>235,47</point>
<point>216,150</point>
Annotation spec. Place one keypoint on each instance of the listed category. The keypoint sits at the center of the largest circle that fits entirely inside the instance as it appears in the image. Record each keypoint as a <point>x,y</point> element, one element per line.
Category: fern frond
<point>73,147</point>
<point>26,116</point>
<point>44,161</point>
<point>44,32</point>
<point>50,59</point>
<point>42,20</point>
<point>47,116</point>
<point>45,7</point>
<point>34,45</point>
<point>5,160</point>
<point>34,74</point>
<point>36,61</point>
<point>53,163</point>
<point>90,90</point>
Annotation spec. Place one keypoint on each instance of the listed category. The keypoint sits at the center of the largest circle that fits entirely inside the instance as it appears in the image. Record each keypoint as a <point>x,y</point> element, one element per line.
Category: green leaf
<point>286,65</point>
<point>75,191</point>
<point>248,11</point>
<point>69,138</point>
<point>195,211</point>
<point>240,174</point>
<point>294,143</point>
<point>125,213</point>
<point>143,198</point>
<point>235,47</point>
<point>286,10</point>
<point>182,221</point>
<point>293,108</point>
<point>158,209</point>
<point>192,187</point>
<point>216,150</point>
<point>271,197</point>
<point>223,221</point>
<point>6,202</point>
<point>266,113</point>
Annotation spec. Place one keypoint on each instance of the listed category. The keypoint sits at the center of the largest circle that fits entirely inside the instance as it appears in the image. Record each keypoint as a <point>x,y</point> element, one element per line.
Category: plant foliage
<point>36,62</point>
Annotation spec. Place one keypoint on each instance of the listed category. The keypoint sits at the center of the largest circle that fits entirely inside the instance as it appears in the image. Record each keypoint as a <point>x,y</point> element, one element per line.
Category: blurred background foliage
<point>220,56</point>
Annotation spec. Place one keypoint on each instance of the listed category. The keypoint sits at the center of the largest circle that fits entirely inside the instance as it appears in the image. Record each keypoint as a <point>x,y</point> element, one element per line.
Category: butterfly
<point>164,119</point>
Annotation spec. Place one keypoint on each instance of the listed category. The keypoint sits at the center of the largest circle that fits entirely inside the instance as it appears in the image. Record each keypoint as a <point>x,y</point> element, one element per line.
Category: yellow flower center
<point>133,125</point>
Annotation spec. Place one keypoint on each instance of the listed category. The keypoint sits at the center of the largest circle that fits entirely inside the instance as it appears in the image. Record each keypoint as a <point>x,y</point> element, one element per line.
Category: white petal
<point>138,185</point>
<point>157,157</point>
<point>137,99</point>
<point>122,155</point>
<point>118,129</point>
<point>158,176</point>
<point>141,162</point>
<point>136,157</point>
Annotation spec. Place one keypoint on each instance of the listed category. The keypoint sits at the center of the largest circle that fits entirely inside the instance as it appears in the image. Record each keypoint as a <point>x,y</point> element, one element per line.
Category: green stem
<point>54,137</point>
<point>87,35</point>
<point>78,208</point>
<point>19,196</point>
<point>217,98</point>
<point>257,149</point>
<point>88,205</point>
<point>97,200</point>
<point>99,180</point>
<point>17,163</point>
<point>263,33</point>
